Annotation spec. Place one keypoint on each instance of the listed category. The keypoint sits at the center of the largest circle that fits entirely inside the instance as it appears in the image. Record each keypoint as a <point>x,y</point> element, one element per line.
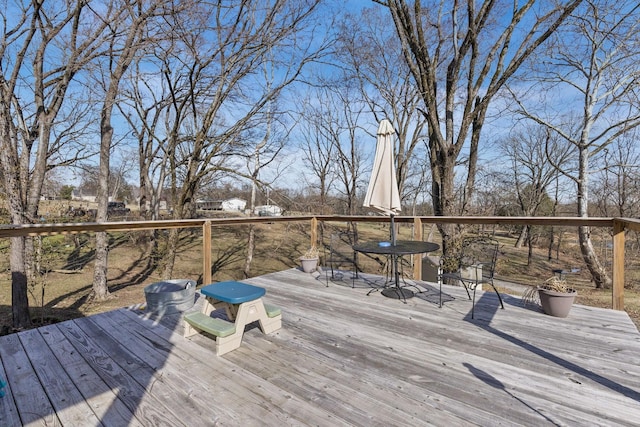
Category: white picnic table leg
<point>241,315</point>
<point>254,311</point>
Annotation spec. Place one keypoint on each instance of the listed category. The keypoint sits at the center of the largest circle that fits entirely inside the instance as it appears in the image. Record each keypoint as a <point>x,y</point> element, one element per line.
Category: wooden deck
<point>341,358</point>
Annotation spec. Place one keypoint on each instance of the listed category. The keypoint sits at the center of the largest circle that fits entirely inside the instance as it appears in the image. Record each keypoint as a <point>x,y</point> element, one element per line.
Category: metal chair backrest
<point>480,251</point>
<point>341,246</point>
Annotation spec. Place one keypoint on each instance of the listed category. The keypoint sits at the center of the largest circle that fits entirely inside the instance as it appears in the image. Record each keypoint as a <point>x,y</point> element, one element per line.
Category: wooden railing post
<point>314,232</point>
<point>417,259</point>
<point>206,253</point>
<point>617,292</point>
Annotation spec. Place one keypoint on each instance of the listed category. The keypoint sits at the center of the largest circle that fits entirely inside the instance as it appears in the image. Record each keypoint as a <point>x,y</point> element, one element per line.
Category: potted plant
<point>554,296</point>
<point>309,260</point>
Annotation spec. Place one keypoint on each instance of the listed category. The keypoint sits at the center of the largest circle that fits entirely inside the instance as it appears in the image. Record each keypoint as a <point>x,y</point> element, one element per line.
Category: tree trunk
<point>530,244</point>
<point>598,272</point>
<point>251,243</point>
<point>151,248</point>
<point>12,187</point>
<point>560,235</point>
<point>170,255</point>
<point>443,196</point>
<point>552,235</point>
<point>100,288</point>
<point>19,298</point>
<point>521,238</point>
<point>128,42</point>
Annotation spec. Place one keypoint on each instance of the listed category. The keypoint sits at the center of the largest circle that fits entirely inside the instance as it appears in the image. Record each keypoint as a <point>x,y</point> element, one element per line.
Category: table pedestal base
<point>398,293</point>
<point>398,249</point>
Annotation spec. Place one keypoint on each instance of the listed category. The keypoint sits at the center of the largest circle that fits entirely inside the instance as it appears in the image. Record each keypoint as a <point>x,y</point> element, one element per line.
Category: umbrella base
<point>398,293</point>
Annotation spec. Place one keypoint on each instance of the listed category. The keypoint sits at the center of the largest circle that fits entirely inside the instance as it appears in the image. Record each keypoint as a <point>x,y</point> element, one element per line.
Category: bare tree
<point>344,128</point>
<point>144,104</point>
<point>616,187</point>
<point>460,55</point>
<point>372,51</point>
<point>415,186</point>
<point>265,152</point>
<point>528,150</point>
<point>593,61</point>
<point>118,186</point>
<point>495,196</point>
<point>317,148</point>
<point>217,100</point>
<point>131,30</point>
<point>333,142</point>
<point>37,126</point>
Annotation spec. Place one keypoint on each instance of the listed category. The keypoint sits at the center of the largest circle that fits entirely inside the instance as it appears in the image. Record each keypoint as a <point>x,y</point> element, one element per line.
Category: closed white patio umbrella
<point>382,192</point>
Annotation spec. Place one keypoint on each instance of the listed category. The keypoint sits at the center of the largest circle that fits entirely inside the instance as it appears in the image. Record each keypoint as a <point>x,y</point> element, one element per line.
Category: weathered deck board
<point>98,394</point>
<point>341,358</point>
<point>457,342</point>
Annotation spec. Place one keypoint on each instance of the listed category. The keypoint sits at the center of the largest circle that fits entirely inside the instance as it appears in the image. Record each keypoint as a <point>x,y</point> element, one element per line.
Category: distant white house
<point>78,195</point>
<point>268,210</point>
<point>233,204</point>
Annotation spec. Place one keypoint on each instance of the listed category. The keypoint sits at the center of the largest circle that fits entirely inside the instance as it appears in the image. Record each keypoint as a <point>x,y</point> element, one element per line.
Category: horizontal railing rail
<point>617,225</point>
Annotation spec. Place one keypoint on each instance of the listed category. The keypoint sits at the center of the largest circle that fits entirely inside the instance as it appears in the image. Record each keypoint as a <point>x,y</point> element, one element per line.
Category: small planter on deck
<point>309,260</point>
<point>556,303</point>
<point>554,296</point>
<point>170,296</point>
<point>309,265</point>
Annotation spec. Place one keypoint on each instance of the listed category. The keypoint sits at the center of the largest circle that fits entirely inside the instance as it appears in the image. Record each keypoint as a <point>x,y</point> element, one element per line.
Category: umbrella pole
<point>394,260</point>
<point>393,231</point>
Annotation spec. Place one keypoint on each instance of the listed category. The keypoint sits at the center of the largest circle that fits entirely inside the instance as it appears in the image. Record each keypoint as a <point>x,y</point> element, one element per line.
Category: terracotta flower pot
<point>556,303</point>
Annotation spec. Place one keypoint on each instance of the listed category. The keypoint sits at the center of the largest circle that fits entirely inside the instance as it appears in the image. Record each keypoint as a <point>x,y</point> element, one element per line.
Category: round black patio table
<point>401,248</point>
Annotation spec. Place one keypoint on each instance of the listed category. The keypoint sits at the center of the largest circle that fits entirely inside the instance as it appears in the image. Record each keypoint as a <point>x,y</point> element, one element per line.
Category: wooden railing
<point>617,225</point>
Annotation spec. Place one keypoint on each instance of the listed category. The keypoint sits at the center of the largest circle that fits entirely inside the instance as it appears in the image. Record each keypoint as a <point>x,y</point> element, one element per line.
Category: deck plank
<point>458,340</point>
<point>91,342</point>
<point>232,382</point>
<point>8,411</point>
<point>406,370</point>
<point>152,365</point>
<point>98,394</point>
<point>341,358</point>
<point>70,406</point>
<point>175,366</point>
<point>25,389</point>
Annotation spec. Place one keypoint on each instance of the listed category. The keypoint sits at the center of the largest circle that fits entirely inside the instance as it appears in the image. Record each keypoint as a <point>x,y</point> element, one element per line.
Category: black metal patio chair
<point>341,253</point>
<point>476,264</point>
